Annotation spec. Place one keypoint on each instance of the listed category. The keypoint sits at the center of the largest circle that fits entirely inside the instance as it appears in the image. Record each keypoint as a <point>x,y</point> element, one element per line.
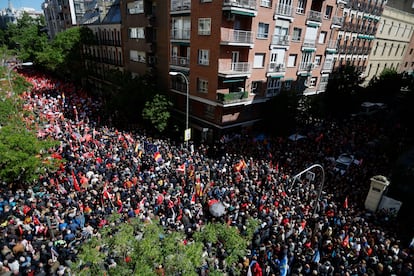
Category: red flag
<point>346,203</point>
<point>345,242</point>
<point>193,199</point>
<point>75,182</point>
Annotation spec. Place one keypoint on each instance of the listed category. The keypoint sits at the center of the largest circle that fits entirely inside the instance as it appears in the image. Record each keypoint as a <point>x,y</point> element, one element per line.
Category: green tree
<point>26,38</point>
<point>157,112</point>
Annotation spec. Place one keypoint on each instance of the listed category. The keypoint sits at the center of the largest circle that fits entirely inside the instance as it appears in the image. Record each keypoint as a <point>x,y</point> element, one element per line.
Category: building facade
<point>238,54</point>
<point>356,37</point>
<point>392,43</point>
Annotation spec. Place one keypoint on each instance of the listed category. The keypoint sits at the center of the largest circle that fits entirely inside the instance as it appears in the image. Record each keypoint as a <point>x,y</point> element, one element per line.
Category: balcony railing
<point>180,34</point>
<point>246,4</point>
<point>180,61</point>
<point>280,40</point>
<point>276,67</point>
<point>180,5</point>
<point>309,43</point>
<point>305,66</point>
<point>232,97</point>
<point>283,9</point>
<point>327,66</point>
<point>236,36</point>
<point>332,44</point>
<point>337,20</point>
<point>179,86</point>
<point>266,3</point>
<point>234,67</point>
<point>314,16</point>
<point>322,86</point>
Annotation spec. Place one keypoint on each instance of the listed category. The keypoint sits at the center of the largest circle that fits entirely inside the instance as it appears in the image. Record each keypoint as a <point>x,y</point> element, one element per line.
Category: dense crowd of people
<point>107,170</point>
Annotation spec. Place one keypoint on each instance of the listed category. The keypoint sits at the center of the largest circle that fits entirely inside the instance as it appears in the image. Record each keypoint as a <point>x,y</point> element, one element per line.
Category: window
<point>397,49</point>
<point>136,33</point>
<point>313,81</point>
<point>263,31</point>
<point>389,52</point>
<point>259,60</point>
<point>383,26</point>
<point>136,7</point>
<point>203,56</point>
<point>375,49</point>
<point>266,3</point>
<point>256,87</point>
<point>137,56</point>
<point>297,33</point>
<point>301,7</point>
<point>322,37</point>
<point>206,1</point>
<point>292,60</point>
<point>287,85</point>
<point>383,49</point>
<point>202,85</point>
<point>328,12</point>
<point>273,85</point>
<point>390,29</point>
<point>204,26</point>
<point>318,60</point>
<point>411,51</point>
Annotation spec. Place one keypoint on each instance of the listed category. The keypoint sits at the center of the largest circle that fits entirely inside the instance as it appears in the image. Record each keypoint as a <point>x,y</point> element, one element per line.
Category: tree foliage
<point>140,248</point>
<point>23,158</point>
<point>157,112</point>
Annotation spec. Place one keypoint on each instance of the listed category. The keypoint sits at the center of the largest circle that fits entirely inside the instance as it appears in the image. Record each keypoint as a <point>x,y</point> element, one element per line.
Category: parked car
<point>343,162</point>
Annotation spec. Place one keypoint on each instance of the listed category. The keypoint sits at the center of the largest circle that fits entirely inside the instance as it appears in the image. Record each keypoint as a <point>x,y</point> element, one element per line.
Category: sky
<point>36,4</point>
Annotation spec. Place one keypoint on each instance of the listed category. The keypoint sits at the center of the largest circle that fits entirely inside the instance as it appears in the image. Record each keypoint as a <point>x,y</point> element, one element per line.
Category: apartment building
<point>407,64</point>
<point>105,52</point>
<point>392,42</point>
<point>238,54</point>
<point>63,14</point>
<point>361,20</point>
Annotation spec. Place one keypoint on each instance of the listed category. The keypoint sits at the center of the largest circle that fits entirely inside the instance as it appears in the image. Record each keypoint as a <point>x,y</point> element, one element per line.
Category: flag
<point>316,256</point>
<point>240,165</point>
<point>346,203</point>
<point>193,199</point>
<point>345,242</point>
<point>75,182</point>
<point>283,266</point>
<point>157,156</point>
<point>181,168</point>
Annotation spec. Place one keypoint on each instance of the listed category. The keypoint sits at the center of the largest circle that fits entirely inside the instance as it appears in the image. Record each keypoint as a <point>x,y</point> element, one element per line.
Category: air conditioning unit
<point>183,61</point>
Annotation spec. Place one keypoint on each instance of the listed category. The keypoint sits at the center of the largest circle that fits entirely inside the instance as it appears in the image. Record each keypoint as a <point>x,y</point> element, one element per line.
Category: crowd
<point>107,170</point>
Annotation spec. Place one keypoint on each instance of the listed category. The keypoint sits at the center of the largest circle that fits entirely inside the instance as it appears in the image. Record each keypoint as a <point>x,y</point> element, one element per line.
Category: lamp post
<point>320,186</point>
<point>187,130</point>
<point>11,69</point>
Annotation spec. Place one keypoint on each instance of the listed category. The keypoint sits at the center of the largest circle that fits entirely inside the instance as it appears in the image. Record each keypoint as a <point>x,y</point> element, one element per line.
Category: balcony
<point>180,61</point>
<point>232,97</point>
<point>284,10</point>
<point>337,21</point>
<point>314,16</point>
<point>327,66</point>
<point>344,2</point>
<point>275,69</point>
<point>236,37</point>
<point>309,43</point>
<point>332,46</point>
<point>241,7</point>
<point>306,66</point>
<point>322,86</point>
<point>179,86</point>
<point>180,6</point>
<point>234,68</point>
<point>282,40</point>
<point>180,34</point>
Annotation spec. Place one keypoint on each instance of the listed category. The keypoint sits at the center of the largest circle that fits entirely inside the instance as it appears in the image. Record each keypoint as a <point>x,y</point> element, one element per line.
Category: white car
<point>343,162</point>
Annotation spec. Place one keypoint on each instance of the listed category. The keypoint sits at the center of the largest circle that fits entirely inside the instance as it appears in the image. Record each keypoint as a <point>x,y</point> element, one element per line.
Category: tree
<point>23,158</point>
<point>139,248</point>
<point>157,112</point>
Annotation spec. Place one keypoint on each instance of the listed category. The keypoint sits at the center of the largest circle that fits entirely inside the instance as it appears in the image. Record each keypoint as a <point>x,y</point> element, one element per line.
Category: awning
<point>276,77</point>
<point>308,49</point>
<point>232,80</point>
<point>242,12</point>
<point>312,24</point>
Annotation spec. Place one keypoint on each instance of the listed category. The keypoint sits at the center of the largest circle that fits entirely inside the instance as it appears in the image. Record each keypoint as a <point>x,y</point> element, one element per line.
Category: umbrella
<point>217,209</point>
<point>296,137</point>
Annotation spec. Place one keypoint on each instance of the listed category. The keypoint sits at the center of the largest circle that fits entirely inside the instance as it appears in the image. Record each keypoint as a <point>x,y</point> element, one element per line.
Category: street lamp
<point>187,132</point>
<point>320,186</point>
<point>29,63</point>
